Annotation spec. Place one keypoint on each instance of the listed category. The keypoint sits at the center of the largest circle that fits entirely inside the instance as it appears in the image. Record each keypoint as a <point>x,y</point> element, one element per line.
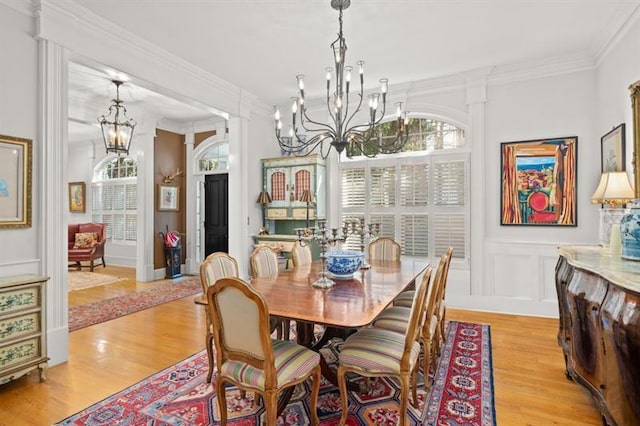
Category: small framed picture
<point>612,150</point>
<point>168,198</point>
<point>77,197</point>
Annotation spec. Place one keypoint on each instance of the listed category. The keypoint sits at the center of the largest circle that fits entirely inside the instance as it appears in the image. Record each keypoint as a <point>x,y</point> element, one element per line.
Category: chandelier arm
<point>323,126</point>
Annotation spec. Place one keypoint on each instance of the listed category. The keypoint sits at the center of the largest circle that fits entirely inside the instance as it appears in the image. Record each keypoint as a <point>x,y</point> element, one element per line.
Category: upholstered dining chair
<point>384,249</point>
<point>248,357</point>
<point>300,255</point>
<point>264,264</point>
<point>376,352</point>
<point>217,265</point>
<point>405,299</point>
<point>396,318</point>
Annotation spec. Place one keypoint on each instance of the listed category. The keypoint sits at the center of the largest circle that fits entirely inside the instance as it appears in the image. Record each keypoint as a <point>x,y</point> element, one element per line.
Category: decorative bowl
<point>344,263</point>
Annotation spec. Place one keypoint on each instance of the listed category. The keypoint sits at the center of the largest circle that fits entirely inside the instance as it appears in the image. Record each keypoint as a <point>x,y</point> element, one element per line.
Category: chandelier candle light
<point>305,134</point>
<point>117,128</point>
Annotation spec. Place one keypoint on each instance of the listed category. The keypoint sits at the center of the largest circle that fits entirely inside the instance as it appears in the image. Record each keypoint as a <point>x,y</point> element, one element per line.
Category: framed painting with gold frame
<point>77,197</point>
<point>15,182</point>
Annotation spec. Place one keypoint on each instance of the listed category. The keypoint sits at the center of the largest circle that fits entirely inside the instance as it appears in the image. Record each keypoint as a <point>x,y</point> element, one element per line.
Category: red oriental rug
<point>461,394</point>
<point>105,310</point>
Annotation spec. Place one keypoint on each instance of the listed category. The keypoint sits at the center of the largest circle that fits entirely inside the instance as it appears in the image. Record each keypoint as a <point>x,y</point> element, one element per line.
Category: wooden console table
<point>23,330</point>
<point>599,301</point>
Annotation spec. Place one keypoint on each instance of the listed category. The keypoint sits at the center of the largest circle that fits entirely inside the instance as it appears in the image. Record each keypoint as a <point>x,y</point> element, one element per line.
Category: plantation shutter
<point>353,241</point>
<point>414,234</point>
<point>387,224</point>
<point>131,197</point>
<point>353,188</point>
<point>449,231</point>
<point>383,187</point>
<point>448,183</point>
<point>414,185</point>
<point>449,200</point>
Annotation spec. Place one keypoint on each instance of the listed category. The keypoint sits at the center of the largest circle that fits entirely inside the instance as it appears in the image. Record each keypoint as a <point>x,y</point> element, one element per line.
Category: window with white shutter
<point>421,201</point>
<point>115,199</point>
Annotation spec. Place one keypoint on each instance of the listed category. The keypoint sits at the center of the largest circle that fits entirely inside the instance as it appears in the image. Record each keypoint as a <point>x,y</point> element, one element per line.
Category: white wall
<point>19,248</point>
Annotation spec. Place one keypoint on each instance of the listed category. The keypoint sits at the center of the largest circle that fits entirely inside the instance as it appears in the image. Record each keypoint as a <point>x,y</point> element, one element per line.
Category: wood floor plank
<point>529,381</point>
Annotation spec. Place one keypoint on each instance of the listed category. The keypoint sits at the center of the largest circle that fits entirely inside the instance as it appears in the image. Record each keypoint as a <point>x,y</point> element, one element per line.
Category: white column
<point>239,237</point>
<point>476,101</point>
<point>143,147</point>
<point>192,258</point>
<point>50,155</point>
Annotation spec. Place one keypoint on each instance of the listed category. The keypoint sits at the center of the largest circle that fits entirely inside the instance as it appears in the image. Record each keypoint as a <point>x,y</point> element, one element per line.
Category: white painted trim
<point>23,6</point>
<point>52,156</point>
<point>617,35</point>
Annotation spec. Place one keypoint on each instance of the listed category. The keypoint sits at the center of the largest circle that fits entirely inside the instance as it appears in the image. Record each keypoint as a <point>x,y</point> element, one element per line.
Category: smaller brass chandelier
<point>117,128</point>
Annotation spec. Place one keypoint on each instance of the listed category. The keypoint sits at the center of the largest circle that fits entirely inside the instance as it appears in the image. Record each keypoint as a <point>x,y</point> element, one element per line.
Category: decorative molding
<point>616,35</point>
<point>25,7</point>
<point>71,25</point>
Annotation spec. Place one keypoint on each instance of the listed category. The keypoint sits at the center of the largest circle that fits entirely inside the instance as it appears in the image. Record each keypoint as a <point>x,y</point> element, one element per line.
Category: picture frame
<point>168,198</point>
<point>612,146</point>
<point>77,197</point>
<point>539,182</point>
<point>16,157</point>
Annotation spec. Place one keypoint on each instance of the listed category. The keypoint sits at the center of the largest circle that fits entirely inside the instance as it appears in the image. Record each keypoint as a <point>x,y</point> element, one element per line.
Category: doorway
<point>216,213</point>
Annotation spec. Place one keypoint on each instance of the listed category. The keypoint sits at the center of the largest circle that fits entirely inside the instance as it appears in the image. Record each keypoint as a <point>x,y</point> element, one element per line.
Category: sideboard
<point>23,331</point>
<point>599,330</point>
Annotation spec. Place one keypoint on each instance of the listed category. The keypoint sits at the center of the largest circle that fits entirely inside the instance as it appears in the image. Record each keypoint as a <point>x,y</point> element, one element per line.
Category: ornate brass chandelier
<point>343,132</point>
<point>117,128</point>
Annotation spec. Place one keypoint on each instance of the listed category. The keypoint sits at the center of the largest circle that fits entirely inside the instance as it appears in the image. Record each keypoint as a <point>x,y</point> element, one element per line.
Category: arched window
<point>115,198</point>
<point>215,158</point>
<point>420,200</point>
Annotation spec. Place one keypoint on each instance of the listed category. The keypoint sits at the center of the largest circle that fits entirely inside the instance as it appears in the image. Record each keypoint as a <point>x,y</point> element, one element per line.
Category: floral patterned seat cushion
<point>85,240</point>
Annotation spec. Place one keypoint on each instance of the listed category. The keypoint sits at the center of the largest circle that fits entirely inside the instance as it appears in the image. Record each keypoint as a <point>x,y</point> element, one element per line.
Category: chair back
<point>446,261</point>
<point>240,320</point>
<point>415,319</point>
<point>217,265</point>
<point>264,263</point>
<point>433,295</point>
<point>384,249</point>
<point>300,255</point>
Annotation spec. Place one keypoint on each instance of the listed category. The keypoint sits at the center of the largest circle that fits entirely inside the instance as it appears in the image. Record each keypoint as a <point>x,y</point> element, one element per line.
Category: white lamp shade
<point>613,188</point>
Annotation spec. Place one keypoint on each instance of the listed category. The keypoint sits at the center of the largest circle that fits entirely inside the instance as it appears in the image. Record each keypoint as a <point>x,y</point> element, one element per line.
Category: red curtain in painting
<point>510,202</point>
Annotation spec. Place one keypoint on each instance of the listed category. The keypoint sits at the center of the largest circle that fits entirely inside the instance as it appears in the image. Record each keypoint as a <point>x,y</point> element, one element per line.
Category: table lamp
<point>263,199</point>
<point>306,197</point>
<point>614,190</point>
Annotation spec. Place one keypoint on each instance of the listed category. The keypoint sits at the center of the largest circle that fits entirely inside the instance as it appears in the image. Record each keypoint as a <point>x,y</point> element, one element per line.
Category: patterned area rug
<point>94,313</point>
<point>80,279</point>
<point>461,394</point>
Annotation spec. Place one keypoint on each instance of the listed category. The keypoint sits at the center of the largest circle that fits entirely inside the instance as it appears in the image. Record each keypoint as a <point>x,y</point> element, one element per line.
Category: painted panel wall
<point>19,248</point>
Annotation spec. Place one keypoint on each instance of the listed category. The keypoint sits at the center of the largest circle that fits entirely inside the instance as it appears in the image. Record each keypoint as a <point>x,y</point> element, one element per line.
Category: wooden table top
<point>350,303</point>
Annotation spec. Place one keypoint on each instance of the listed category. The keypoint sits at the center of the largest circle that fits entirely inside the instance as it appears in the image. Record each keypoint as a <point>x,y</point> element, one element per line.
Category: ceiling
<point>261,45</point>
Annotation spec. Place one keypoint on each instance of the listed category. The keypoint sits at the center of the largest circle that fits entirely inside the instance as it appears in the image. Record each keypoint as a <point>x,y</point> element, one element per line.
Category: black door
<point>216,213</point>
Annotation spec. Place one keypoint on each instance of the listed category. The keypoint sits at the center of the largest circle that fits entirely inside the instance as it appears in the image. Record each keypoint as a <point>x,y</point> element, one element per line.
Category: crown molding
<point>76,28</point>
<point>616,35</point>
<point>541,68</point>
<point>26,7</point>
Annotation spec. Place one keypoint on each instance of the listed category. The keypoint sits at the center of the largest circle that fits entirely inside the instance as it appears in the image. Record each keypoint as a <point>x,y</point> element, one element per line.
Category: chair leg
<point>222,400</point>
<point>104,265</point>
<point>342,384</point>
<point>404,396</point>
<point>414,383</point>
<point>91,265</point>
<point>286,329</point>
<point>79,265</point>
<point>315,391</point>
<point>270,399</point>
<point>209,343</point>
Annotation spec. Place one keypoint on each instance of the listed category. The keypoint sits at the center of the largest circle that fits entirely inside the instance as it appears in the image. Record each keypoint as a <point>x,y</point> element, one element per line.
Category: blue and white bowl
<point>344,263</point>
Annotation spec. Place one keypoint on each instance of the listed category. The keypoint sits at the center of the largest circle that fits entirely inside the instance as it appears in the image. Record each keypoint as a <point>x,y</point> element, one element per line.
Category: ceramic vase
<point>630,232</point>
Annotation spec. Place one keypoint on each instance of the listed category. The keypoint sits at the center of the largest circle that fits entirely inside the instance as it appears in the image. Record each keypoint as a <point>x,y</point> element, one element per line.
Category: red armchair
<point>88,246</point>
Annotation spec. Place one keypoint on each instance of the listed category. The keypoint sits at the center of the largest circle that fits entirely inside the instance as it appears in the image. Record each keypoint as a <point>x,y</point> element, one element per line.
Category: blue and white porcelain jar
<point>630,230</point>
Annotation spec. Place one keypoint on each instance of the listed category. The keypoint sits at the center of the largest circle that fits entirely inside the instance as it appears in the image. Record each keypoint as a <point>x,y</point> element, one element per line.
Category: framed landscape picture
<point>168,198</point>
<point>77,197</point>
<point>612,150</point>
<point>538,184</point>
<point>15,182</point>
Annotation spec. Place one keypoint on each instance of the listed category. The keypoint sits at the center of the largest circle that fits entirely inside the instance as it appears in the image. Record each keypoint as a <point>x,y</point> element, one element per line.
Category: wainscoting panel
<point>519,279</point>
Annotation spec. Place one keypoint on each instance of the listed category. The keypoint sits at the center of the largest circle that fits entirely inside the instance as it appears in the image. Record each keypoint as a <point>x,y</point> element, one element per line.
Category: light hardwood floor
<point>529,381</point>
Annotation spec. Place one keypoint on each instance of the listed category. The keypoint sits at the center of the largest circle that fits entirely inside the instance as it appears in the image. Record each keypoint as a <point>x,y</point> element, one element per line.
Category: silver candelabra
<point>365,232</point>
<point>324,237</point>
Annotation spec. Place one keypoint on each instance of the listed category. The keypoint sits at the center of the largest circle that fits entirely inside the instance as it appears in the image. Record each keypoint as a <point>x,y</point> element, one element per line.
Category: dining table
<point>341,309</point>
